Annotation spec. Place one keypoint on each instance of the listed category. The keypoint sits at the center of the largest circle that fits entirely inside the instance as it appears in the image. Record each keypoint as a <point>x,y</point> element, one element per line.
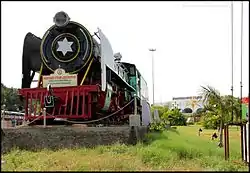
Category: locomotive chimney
<point>61,19</point>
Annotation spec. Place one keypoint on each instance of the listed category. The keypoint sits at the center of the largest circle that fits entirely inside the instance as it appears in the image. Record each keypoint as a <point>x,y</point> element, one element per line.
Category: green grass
<point>171,150</point>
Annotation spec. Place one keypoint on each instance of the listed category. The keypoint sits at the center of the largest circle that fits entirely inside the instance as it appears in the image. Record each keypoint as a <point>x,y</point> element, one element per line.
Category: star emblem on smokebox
<point>64,46</point>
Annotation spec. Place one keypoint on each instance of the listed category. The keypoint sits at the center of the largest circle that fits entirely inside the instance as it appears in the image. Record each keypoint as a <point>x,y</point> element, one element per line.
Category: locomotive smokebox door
<point>66,44</point>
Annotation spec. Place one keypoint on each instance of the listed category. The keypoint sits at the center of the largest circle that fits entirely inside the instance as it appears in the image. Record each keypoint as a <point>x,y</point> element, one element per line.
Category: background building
<point>184,103</point>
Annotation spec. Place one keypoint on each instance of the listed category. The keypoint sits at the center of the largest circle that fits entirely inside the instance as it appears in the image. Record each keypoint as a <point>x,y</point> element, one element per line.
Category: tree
<point>171,117</point>
<point>233,105</point>
<point>210,121</point>
<point>218,109</point>
<point>174,117</point>
<point>214,103</point>
<point>10,98</point>
<point>161,110</point>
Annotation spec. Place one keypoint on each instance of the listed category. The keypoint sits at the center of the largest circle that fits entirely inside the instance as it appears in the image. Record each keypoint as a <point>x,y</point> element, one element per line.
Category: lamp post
<point>241,46</point>
<point>232,54</point>
<point>152,50</point>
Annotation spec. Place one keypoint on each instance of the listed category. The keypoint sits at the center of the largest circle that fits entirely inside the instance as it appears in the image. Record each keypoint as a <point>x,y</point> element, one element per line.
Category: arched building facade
<point>188,104</point>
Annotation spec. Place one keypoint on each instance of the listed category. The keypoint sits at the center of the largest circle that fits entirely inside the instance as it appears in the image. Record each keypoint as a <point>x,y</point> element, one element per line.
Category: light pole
<point>232,54</point>
<point>152,50</point>
<point>241,45</point>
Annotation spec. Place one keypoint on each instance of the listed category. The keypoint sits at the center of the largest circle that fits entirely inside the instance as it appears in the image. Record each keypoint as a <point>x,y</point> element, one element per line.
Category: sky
<point>192,40</point>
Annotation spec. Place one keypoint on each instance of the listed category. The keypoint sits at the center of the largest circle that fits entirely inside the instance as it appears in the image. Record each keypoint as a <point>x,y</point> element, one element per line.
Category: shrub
<point>175,117</point>
<point>157,126</point>
<point>210,121</point>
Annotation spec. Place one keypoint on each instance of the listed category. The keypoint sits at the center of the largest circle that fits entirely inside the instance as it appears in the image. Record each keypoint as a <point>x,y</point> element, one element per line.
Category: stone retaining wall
<point>35,138</point>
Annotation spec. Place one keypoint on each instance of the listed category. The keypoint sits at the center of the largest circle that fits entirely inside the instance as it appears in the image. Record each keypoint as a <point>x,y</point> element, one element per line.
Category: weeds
<point>180,149</point>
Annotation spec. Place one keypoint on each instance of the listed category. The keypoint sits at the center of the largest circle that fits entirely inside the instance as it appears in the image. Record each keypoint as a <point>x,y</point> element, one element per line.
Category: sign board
<point>60,79</point>
<point>245,105</point>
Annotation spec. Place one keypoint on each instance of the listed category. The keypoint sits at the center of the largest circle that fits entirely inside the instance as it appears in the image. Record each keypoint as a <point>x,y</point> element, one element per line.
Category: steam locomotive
<point>80,78</point>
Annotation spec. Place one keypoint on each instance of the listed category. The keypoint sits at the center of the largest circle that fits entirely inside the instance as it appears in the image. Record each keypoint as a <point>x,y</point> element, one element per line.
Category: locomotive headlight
<point>61,19</point>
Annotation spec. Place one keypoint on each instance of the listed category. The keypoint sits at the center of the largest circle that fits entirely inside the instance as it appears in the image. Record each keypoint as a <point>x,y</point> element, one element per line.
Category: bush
<point>168,117</point>
<point>171,117</point>
<point>157,126</point>
<point>198,123</point>
<point>210,121</point>
<point>161,110</point>
<point>175,117</point>
<point>190,123</point>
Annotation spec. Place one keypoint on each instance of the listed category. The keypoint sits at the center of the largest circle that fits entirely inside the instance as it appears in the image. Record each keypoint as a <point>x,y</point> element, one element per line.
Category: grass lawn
<point>182,149</point>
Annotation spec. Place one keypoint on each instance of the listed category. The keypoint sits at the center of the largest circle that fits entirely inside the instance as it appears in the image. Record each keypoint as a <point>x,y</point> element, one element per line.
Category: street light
<point>152,50</point>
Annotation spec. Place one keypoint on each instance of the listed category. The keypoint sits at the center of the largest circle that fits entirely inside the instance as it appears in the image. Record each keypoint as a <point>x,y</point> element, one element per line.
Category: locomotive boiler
<point>80,78</point>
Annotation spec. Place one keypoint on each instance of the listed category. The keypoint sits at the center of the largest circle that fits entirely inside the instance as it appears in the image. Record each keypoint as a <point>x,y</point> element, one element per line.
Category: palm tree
<point>213,102</point>
<point>234,105</point>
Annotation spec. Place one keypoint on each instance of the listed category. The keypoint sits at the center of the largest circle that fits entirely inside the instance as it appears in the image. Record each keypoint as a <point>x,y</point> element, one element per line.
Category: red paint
<point>245,100</point>
<point>66,106</point>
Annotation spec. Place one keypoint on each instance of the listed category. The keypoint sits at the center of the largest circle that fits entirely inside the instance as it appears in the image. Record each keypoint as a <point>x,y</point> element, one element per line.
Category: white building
<point>191,102</point>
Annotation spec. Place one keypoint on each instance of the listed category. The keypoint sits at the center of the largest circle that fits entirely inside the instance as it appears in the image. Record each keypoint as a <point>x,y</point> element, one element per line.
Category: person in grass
<point>199,132</point>
<point>214,136</point>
